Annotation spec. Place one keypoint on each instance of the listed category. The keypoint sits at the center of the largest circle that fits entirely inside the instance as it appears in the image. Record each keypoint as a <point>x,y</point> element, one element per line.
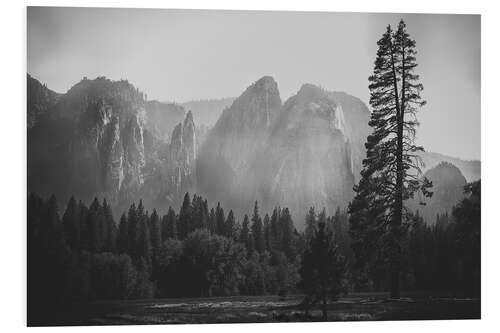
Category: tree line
<point>86,255</point>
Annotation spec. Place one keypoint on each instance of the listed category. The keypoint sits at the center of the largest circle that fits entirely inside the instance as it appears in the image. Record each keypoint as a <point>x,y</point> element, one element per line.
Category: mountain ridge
<point>107,139</point>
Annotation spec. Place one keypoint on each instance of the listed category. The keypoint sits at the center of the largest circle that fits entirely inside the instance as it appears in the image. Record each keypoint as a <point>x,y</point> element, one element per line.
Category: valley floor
<point>245,309</point>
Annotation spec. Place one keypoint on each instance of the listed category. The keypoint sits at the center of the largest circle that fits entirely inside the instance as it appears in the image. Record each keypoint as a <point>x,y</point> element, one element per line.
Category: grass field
<point>244,309</point>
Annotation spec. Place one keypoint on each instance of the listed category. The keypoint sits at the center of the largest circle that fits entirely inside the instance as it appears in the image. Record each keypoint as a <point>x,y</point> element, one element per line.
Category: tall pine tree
<point>392,168</point>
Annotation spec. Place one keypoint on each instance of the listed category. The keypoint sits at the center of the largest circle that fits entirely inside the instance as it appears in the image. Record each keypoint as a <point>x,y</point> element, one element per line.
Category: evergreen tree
<point>83,212</point>
<point>219,219</point>
<point>144,249</point>
<point>132,222</point>
<point>155,230</point>
<point>322,270</point>
<point>123,239</point>
<point>391,170</point>
<point>200,213</point>
<point>95,224</point>
<point>287,232</point>
<point>185,217</point>
<point>275,235</point>
<point>267,232</point>
<point>212,226</point>
<point>467,215</point>
<point>257,230</point>
<point>71,224</point>
<point>109,227</point>
<point>310,229</point>
<point>230,226</point>
<point>245,236</point>
<point>169,225</point>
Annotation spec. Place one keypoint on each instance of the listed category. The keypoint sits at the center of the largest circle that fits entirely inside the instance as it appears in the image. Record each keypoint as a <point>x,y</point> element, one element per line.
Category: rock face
<point>311,154</point>
<point>95,141</point>
<point>448,189</point>
<point>183,154</point>
<point>224,169</point>
<point>99,146</point>
<point>470,169</point>
<point>40,100</point>
<point>162,117</point>
<point>299,154</point>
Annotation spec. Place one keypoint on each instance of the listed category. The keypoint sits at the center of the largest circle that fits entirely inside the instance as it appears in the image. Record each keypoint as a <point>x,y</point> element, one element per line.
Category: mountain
<point>207,111</point>
<point>310,153</point>
<point>470,169</point>
<point>40,99</point>
<point>448,189</point>
<point>306,152</point>
<point>162,118</point>
<point>223,164</point>
<point>102,138</point>
<point>95,141</point>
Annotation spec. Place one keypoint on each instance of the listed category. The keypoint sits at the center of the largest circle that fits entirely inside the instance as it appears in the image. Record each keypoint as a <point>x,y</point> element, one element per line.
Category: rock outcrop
<point>183,154</point>
<point>224,170</point>
<point>310,154</point>
<point>40,99</point>
<point>471,169</point>
<point>99,145</point>
<point>97,140</point>
<point>448,189</point>
<point>300,154</point>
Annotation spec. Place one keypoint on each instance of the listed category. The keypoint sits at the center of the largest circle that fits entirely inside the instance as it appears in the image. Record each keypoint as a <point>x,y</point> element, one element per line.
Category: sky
<point>181,55</point>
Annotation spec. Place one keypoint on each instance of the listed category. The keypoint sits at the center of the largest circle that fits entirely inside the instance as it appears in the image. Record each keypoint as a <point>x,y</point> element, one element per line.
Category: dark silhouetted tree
<point>109,228</point>
<point>257,230</point>
<point>310,229</point>
<point>155,230</point>
<point>185,217</point>
<point>467,215</point>
<point>169,225</point>
<point>71,223</point>
<point>322,270</point>
<point>123,239</point>
<point>391,170</point>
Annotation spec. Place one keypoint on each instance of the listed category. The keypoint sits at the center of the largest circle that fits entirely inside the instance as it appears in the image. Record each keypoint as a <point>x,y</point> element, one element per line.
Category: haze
<point>181,55</point>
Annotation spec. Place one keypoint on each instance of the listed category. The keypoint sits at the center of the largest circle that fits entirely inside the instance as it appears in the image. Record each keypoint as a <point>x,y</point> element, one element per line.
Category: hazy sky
<point>178,55</point>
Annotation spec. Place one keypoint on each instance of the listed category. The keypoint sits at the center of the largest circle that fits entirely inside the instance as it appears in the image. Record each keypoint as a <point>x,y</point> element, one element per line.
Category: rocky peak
<point>446,173</point>
<point>40,100</point>
<point>448,189</point>
<point>255,109</point>
<point>183,141</point>
<point>99,144</point>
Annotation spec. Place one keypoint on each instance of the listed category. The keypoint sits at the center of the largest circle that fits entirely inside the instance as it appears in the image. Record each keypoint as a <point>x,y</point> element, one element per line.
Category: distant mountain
<point>207,111</point>
<point>471,169</point>
<point>39,100</point>
<point>448,189</point>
